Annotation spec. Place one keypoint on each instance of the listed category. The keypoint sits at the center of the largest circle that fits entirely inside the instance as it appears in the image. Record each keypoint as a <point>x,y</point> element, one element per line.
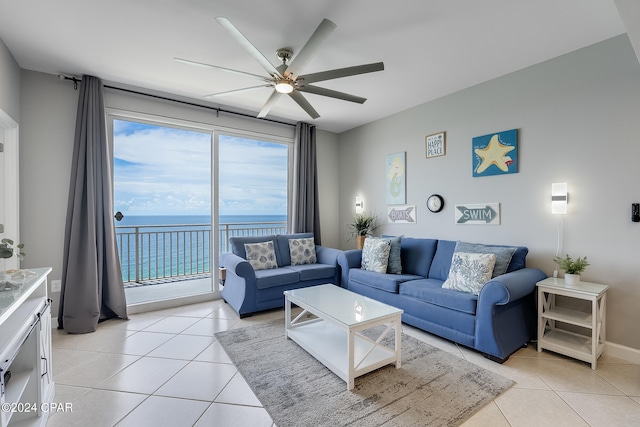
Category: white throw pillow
<point>302,251</point>
<point>261,256</point>
<point>469,272</point>
<point>375,255</point>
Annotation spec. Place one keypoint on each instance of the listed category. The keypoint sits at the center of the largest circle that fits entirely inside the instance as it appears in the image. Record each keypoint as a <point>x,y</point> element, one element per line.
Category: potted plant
<point>572,268</point>
<point>7,250</point>
<point>362,226</point>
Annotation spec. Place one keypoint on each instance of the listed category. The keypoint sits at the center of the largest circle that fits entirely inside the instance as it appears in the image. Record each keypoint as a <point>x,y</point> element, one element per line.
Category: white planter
<point>571,279</point>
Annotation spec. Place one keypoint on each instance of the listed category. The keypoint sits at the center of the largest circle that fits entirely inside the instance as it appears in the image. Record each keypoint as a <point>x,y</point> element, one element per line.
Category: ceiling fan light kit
<point>287,78</point>
<point>284,86</point>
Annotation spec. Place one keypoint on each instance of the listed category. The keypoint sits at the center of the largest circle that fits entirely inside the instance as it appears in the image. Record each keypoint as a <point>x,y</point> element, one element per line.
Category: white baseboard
<point>622,352</point>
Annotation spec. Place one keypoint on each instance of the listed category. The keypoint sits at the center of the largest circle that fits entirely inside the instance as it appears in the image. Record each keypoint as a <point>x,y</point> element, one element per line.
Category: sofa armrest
<point>237,265</point>
<point>325,255</point>
<point>505,316</point>
<point>509,287</point>
<point>347,260</point>
<point>239,289</point>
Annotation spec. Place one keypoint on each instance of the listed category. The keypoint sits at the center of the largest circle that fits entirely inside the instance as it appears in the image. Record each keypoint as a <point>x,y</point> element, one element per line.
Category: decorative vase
<point>360,242</point>
<point>571,279</point>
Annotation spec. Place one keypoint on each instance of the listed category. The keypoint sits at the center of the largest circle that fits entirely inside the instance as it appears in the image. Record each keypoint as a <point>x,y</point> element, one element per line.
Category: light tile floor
<point>165,368</point>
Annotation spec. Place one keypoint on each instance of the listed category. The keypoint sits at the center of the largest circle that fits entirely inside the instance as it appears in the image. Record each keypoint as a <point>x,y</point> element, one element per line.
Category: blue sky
<point>167,171</point>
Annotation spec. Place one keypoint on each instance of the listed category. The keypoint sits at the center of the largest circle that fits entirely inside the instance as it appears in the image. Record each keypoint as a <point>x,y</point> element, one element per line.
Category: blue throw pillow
<point>503,254</point>
<point>395,262</point>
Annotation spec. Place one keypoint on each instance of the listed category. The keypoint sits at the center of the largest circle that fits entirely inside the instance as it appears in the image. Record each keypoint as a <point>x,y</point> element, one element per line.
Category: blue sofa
<point>496,322</point>
<point>249,291</point>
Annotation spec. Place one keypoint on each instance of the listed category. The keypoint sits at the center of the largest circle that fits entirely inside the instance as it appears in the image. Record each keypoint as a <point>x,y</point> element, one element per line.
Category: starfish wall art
<point>495,154</point>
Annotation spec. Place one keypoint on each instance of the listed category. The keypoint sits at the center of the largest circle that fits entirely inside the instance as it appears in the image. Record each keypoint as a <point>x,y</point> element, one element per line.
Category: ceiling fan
<point>287,77</point>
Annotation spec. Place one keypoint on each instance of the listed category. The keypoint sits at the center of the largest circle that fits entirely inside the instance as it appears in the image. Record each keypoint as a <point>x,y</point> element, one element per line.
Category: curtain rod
<point>218,110</point>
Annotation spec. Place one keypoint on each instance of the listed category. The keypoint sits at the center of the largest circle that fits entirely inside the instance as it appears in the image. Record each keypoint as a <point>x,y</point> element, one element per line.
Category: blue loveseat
<point>496,322</point>
<point>248,290</point>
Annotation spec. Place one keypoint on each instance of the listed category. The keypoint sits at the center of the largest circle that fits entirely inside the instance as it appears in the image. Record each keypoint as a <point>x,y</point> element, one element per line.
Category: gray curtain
<point>305,211</point>
<point>92,288</point>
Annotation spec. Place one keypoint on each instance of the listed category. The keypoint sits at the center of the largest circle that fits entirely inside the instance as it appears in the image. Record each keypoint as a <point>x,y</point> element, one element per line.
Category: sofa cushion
<point>430,290</point>
<point>237,243</point>
<point>441,263</point>
<point>503,254</point>
<point>385,282</point>
<point>276,277</point>
<point>282,248</point>
<point>313,271</point>
<point>469,272</point>
<point>302,251</point>
<point>417,254</point>
<point>375,255</point>
<point>261,256</point>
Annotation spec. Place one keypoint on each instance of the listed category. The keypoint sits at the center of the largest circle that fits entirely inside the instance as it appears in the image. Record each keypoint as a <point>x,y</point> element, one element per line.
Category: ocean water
<point>163,246</point>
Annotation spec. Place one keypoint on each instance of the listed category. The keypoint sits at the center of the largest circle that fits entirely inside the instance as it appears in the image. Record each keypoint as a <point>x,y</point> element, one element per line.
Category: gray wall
<point>9,83</point>
<point>577,117</point>
<point>48,113</point>
<point>48,116</point>
<point>328,187</point>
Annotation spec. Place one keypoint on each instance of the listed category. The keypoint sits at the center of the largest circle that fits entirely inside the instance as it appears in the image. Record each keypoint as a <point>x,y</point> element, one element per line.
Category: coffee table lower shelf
<point>329,344</point>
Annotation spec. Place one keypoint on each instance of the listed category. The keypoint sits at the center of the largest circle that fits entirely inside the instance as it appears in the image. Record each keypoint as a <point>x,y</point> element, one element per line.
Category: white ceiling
<point>430,48</point>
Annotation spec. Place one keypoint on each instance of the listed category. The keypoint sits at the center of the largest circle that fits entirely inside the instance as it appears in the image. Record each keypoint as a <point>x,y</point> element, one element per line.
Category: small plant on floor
<point>570,265</point>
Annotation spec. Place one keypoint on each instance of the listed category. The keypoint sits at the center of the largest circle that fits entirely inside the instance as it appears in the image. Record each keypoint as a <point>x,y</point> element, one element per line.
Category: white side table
<point>552,319</point>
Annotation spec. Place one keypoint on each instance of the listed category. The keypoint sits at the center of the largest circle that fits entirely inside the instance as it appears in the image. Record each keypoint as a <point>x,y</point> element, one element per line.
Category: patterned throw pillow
<point>375,255</point>
<point>261,256</point>
<point>302,251</point>
<point>394,265</point>
<point>469,272</point>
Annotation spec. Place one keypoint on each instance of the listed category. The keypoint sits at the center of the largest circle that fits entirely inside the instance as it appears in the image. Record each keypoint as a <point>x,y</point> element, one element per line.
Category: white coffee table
<point>334,334</point>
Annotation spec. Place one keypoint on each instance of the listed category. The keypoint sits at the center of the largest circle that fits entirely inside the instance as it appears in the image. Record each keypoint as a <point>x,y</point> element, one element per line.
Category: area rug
<point>432,388</point>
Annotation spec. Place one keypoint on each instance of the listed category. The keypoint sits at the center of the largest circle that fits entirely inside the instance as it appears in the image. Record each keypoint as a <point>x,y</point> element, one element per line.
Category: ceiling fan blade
<point>236,91</point>
<point>304,104</point>
<point>332,94</point>
<point>342,72</point>
<point>301,60</point>
<point>228,70</point>
<point>269,104</point>
<point>246,44</point>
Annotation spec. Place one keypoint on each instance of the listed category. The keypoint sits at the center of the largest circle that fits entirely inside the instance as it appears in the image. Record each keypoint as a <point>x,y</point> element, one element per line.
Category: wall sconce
<point>359,205</point>
<point>559,198</point>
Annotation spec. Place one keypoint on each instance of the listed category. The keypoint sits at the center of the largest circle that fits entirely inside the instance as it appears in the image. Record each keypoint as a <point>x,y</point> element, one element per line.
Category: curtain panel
<point>92,288</point>
<point>305,210</point>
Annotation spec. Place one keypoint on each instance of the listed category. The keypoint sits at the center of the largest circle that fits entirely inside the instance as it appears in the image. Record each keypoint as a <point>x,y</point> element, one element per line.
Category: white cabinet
<point>26,380</point>
<point>553,331</point>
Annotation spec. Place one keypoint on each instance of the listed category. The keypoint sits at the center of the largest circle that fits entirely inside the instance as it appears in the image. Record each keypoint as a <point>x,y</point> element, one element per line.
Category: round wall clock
<point>435,203</point>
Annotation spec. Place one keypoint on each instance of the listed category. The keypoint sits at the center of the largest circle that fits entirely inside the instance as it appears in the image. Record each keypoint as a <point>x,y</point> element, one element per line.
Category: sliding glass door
<point>162,200</point>
<point>252,187</point>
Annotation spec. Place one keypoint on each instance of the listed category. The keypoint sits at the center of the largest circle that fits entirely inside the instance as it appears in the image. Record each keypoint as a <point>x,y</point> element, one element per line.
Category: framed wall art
<point>479,214</point>
<point>495,154</point>
<point>401,215</point>
<point>397,179</point>
<point>435,144</point>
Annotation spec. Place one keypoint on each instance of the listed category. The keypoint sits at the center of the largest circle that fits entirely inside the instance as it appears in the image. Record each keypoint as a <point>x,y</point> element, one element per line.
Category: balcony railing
<point>178,251</point>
